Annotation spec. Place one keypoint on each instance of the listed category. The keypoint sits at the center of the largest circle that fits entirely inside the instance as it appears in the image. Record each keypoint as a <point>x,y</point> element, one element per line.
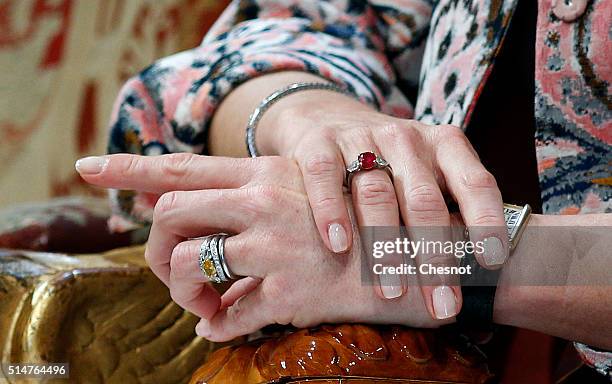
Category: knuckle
<point>487,217</point>
<point>269,163</point>
<point>451,135</point>
<point>321,164</point>
<point>481,179</point>
<point>375,191</point>
<point>412,136</point>
<point>129,168</point>
<point>179,260</point>
<point>438,260</point>
<point>326,203</point>
<point>266,193</point>
<point>392,130</point>
<point>260,199</point>
<point>425,198</point>
<point>328,133</point>
<point>166,203</point>
<point>177,164</point>
<point>401,132</point>
<point>451,131</point>
<point>358,130</point>
<point>274,165</point>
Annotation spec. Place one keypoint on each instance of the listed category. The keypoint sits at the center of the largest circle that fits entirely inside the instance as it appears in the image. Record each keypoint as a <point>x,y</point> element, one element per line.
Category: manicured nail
<point>337,238</point>
<point>444,302</point>
<point>494,253</point>
<point>91,165</point>
<point>391,285</point>
<point>202,329</point>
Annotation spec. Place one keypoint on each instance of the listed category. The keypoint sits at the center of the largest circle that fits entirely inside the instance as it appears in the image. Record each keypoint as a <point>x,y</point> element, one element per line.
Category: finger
<point>425,215</point>
<point>375,205</point>
<point>323,171</point>
<point>238,289</point>
<point>479,199</point>
<point>186,265</point>
<point>160,174</point>
<point>189,288</point>
<point>246,315</point>
<point>181,215</point>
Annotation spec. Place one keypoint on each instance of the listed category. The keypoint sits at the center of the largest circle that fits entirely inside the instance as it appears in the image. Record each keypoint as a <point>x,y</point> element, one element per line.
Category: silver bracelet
<point>276,96</point>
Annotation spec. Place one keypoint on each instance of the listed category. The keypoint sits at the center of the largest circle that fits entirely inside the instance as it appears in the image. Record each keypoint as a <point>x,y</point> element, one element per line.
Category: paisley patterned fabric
<point>573,110</point>
<point>386,51</point>
<point>463,41</point>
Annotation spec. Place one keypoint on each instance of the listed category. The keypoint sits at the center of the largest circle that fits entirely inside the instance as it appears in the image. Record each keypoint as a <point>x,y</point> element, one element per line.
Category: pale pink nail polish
<point>494,253</point>
<point>337,238</point>
<point>444,302</point>
<point>391,286</point>
<point>91,165</point>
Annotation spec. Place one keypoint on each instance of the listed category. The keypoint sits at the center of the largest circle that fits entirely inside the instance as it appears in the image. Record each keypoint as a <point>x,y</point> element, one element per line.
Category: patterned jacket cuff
<point>599,360</point>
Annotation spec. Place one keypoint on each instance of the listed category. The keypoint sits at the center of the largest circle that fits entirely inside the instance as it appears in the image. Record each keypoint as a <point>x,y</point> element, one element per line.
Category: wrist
<point>286,122</point>
<point>283,122</point>
<point>524,305</point>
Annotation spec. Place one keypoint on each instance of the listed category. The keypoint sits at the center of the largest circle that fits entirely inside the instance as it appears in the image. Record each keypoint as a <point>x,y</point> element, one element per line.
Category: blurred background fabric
<point>62,63</point>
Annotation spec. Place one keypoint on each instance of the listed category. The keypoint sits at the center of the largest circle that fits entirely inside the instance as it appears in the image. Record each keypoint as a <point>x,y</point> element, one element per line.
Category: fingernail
<point>390,285</point>
<point>202,329</point>
<point>444,302</point>
<point>91,165</point>
<point>337,238</point>
<point>494,253</point>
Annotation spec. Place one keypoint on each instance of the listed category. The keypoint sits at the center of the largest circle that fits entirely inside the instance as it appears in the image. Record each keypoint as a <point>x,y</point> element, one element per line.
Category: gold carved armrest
<point>106,314</point>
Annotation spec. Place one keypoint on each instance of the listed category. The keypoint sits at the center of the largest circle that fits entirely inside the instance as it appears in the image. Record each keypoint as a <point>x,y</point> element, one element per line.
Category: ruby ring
<point>366,161</point>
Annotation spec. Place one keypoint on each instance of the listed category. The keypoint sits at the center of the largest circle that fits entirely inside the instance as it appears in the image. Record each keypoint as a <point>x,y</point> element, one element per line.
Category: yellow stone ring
<point>212,259</point>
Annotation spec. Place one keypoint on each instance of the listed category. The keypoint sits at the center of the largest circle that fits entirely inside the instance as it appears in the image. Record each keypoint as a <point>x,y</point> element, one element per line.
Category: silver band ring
<point>214,249</point>
<point>212,259</point>
<point>366,161</point>
<point>224,265</point>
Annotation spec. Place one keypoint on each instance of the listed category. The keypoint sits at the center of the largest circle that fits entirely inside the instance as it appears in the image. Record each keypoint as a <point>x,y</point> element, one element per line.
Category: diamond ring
<point>212,259</point>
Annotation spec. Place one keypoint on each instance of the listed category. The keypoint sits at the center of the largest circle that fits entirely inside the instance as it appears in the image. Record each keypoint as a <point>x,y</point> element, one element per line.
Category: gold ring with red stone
<point>366,161</point>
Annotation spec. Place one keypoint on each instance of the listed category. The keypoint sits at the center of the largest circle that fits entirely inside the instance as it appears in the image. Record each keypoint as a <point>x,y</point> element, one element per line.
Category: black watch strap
<point>478,300</point>
<point>477,309</point>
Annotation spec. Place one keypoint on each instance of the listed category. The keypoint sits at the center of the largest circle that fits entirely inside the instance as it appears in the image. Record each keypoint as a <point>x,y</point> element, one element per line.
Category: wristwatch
<point>477,308</point>
<point>516,218</point>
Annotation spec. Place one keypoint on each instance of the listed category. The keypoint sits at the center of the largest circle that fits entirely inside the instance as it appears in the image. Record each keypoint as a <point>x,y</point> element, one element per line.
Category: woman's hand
<point>324,131</point>
<point>295,279</point>
<point>292,277</point>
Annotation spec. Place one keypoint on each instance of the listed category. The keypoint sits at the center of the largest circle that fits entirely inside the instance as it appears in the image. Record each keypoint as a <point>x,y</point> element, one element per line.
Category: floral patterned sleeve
<point>599,360</point>
<point>168,106</point>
